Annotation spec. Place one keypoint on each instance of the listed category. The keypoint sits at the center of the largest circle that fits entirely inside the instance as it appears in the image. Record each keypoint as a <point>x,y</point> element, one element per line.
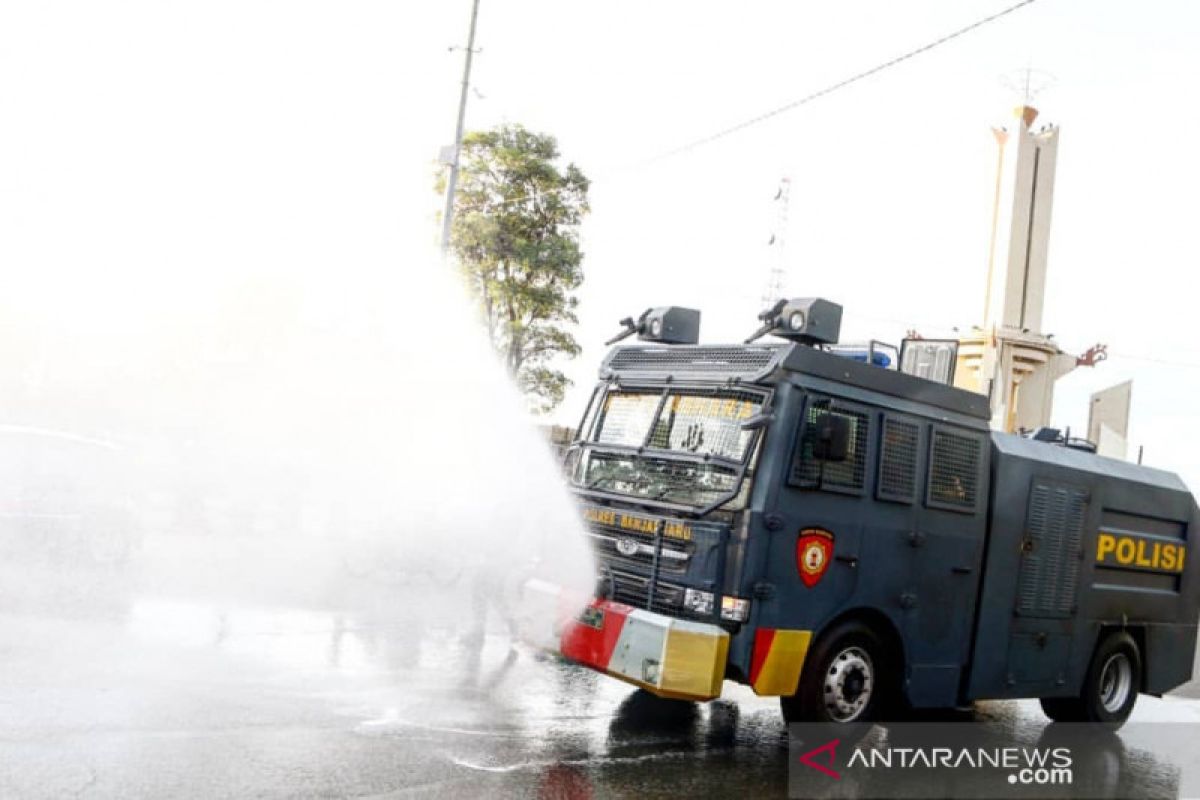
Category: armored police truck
<point>850,538</point>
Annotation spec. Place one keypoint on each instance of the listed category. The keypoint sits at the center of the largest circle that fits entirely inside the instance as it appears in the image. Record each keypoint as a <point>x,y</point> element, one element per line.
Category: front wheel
<point>846,678</point>
<point>1110,688</point>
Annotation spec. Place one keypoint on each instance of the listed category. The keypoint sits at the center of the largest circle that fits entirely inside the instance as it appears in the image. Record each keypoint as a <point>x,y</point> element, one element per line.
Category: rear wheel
<point>1110,688</point>
<point>846,678</point>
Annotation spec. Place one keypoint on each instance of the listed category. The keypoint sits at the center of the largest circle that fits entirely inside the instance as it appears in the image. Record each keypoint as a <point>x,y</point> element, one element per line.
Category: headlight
<point>796,320</point>
<point>656,327</point>
<point>698,601</point>
<point>734,608</point>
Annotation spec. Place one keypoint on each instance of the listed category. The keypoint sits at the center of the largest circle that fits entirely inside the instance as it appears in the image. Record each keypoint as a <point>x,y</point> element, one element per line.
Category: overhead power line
<point>842,84</point>
<point>828,90</point>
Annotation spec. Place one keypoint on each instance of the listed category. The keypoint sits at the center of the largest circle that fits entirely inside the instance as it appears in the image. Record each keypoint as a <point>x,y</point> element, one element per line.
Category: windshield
<point>676,432</point>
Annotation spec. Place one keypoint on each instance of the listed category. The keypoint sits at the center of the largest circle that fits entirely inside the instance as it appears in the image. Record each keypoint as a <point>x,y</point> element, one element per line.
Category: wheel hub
<point>849,683</point>
<point>1116,682</point>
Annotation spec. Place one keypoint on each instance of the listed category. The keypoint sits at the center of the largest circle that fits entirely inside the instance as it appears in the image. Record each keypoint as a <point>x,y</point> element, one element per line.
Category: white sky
<point>891,177</point>
<point>167,143</point>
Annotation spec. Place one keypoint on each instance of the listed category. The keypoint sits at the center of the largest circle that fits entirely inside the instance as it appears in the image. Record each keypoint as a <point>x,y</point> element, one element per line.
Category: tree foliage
<point>515,235</point>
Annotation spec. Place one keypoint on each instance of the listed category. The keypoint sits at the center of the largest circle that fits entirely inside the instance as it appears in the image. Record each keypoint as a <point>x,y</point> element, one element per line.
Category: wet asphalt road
<point>158,696</point>
<point>328,710</point>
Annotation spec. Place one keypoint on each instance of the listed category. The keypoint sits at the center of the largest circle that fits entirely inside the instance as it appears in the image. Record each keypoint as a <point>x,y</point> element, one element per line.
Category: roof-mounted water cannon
<point>666,324</point>
<point>808,320</point>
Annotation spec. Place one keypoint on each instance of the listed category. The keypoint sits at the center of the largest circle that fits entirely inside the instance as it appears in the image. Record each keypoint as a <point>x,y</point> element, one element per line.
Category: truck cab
<point>820,528</point>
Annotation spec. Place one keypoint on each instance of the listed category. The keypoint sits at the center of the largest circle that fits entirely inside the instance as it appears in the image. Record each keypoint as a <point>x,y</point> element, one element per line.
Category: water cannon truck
<point>838,526</point>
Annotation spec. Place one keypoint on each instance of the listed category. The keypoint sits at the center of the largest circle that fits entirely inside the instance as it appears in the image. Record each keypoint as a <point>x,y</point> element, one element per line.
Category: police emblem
<point>814,547</point>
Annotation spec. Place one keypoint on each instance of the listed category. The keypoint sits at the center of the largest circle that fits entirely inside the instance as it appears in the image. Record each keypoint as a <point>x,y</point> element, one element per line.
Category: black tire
<point>1110,688</point>
<point>642,713</point>
<point>847,678</point>
<point>1061,709</point>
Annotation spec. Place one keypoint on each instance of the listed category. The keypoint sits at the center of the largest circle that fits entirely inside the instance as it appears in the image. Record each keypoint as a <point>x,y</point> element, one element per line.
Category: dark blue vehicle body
<point>973,554</point>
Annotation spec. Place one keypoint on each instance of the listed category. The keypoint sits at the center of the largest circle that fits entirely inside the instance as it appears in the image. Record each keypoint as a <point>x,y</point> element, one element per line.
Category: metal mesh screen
<point>689,422</point>
<point>706,425</point>
<point>898,460</point>
<point>703,427</point>
<point>954,471</point>
<point>627,417</point>
<point>1049,573</point>
<point>655,478</point>
<point>850,474</point>
<point>693,360</point>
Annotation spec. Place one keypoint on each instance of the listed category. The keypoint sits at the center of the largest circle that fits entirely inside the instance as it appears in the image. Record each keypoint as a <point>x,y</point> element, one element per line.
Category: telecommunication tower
<point>773,290</point>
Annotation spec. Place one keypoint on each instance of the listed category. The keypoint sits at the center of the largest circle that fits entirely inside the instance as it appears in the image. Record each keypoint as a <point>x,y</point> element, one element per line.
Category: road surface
<point>166,697</point>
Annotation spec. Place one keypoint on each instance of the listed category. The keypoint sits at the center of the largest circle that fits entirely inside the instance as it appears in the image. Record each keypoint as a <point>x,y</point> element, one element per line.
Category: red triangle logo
<point>830,748</point>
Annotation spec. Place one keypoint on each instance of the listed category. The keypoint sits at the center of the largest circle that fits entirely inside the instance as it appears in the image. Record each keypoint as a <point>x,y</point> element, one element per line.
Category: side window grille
<point>804,468</point>
<point>898,460</point>
<point>954,471</point>
<point>848,475</point>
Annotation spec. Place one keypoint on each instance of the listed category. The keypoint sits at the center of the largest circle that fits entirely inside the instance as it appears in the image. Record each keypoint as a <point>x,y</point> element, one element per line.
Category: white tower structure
<point>1009,358</point>
<point>1024,199</point>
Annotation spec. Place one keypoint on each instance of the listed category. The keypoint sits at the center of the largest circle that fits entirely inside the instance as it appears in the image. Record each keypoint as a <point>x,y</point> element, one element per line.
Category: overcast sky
<point>169,143</point>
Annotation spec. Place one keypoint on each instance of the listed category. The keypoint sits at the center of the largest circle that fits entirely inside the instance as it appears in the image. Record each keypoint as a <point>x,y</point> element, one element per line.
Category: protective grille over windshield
<point>688,423</point>
<point>627,417</point>
<point>656,478</point>
<point>675,430</point>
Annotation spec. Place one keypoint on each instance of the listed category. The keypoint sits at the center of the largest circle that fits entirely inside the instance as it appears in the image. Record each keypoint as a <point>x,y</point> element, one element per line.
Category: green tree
<point>515,235</point>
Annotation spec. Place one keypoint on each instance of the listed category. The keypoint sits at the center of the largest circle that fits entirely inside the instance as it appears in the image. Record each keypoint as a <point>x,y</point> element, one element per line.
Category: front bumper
<point>666,656</point>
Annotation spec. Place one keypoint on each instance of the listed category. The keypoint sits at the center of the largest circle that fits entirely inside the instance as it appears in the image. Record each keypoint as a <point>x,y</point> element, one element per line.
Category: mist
<point>249,423</point>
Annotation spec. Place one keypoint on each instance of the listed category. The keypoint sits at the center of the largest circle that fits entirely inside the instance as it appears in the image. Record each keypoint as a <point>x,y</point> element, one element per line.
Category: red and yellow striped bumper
<point>666,656</point>
<point>777,660</point>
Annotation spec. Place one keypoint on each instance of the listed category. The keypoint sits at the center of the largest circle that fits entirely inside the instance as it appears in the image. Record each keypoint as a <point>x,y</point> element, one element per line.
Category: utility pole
<point>452,181</point>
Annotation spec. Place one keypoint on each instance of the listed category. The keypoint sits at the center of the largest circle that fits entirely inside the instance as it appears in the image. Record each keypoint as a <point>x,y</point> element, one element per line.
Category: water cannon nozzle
<point>808,320</point>
<point>665,324</point>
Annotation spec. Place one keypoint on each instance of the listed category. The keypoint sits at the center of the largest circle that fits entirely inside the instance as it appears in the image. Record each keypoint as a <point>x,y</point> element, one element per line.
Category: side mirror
<point>832,441</point>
